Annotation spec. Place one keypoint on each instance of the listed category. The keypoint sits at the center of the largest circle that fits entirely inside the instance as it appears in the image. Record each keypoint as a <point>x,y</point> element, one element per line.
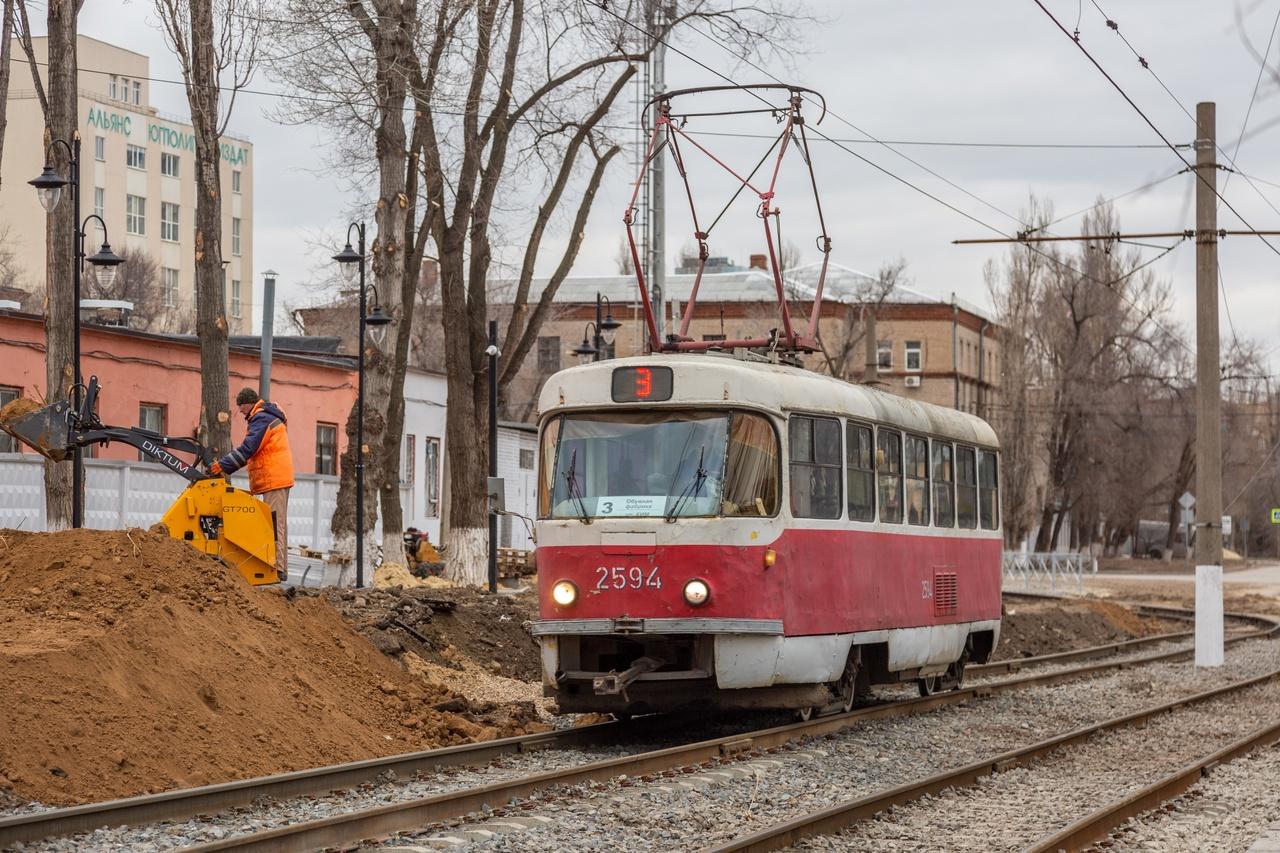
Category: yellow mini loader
<point>211,515</point>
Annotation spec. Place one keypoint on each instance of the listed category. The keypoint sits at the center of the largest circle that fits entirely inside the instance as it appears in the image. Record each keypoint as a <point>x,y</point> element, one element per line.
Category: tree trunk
<point>211,319</point>
<point>391,37</point>
<point>464,437</point>
<point>1181,480</point>
<point>6,57</point>
<point>60,249</point>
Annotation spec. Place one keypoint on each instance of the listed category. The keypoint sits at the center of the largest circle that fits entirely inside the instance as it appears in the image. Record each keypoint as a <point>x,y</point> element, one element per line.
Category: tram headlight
<point>696,592</point>
<point>564,593</point>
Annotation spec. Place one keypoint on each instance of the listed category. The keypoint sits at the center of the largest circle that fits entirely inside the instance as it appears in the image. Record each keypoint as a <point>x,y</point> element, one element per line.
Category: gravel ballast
<point>714,806</point>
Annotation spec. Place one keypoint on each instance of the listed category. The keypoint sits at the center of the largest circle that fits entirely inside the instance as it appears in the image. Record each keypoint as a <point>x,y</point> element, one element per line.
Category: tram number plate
<point>621,577</point>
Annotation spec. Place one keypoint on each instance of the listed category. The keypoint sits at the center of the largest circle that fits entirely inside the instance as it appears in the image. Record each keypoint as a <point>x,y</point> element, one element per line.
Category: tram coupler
<point>616,682</point>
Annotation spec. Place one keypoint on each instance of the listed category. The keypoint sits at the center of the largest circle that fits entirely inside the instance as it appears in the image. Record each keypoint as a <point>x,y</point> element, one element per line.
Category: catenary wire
<point>932,143</point>
<point>1257,83</point>
<point>1115,27</point>
<point>1035,249</point>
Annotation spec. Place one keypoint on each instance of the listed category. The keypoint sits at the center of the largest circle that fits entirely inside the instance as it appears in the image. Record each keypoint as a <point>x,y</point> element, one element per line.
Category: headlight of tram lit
<point>696,592</point>
<point>564,593</point>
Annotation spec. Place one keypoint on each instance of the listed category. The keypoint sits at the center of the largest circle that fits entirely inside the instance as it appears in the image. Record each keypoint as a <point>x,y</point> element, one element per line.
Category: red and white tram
<point>734,531</point>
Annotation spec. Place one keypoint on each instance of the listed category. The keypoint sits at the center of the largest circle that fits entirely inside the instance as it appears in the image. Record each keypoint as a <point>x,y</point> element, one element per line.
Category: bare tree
<point>622,260</point>
<point>6,59</point>
<point>213,40</point>
<point>59,104</point>
<point>507,99</point>
<point>840,349</point>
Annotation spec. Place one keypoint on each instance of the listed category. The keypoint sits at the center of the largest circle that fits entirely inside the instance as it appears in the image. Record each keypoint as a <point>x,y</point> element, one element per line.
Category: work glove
<point>215,468</point>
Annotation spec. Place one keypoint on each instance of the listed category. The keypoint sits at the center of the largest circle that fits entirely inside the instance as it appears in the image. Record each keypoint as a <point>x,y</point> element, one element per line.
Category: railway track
<point>397,817</point>
<point>1080,834</point>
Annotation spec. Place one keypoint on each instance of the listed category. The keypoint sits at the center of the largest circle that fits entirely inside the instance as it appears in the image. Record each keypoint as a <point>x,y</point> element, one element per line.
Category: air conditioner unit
<point>913,381</point>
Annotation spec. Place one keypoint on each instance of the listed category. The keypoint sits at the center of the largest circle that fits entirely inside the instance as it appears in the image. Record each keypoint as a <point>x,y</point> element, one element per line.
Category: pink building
<point>153,380</point>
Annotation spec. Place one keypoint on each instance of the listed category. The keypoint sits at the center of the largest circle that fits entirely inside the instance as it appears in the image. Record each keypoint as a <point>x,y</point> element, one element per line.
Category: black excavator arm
<point>56,430</point>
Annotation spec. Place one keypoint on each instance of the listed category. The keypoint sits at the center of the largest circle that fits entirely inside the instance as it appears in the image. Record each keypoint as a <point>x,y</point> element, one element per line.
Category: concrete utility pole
<point>268,331</point>
<point>1208,547</point>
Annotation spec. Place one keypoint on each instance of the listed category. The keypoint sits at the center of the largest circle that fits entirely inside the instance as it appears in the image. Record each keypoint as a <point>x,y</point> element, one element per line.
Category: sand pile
<point>131,663</point>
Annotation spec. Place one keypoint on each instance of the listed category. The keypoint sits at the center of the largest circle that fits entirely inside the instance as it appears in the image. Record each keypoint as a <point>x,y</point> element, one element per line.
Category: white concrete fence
<point>121,494</point>
<point>1051,570</point>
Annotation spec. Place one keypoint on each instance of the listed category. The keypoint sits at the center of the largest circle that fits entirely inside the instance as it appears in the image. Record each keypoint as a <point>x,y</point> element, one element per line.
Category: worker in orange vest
<point>265,451</point>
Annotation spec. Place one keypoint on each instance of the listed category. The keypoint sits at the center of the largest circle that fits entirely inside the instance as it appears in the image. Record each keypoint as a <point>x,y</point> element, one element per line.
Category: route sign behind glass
<point>1275,515</point>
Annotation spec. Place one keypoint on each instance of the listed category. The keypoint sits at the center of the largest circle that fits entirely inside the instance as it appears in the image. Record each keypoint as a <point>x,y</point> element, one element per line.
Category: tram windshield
<point>672,464</point>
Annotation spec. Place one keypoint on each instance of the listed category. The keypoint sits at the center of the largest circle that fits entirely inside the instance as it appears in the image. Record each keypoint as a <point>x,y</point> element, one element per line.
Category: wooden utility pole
<point>1208,546</point>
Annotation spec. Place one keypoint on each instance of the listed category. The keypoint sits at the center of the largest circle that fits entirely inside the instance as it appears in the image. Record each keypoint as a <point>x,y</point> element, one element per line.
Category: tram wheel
<point>929,686</point>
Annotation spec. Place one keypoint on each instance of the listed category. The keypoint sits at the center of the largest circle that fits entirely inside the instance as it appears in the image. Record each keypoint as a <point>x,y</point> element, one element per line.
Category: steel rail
<point>353,827</point>
<point>185,803</point>
<point>842,815</point>
<point>207,799</point>
<point>1100,824</point>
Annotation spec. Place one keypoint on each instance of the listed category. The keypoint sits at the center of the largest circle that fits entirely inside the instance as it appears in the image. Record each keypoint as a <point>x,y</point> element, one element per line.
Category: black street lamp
<point>600,336</point>
<point>49,188</point>
<point>606,327</point>
<point>351,263</point>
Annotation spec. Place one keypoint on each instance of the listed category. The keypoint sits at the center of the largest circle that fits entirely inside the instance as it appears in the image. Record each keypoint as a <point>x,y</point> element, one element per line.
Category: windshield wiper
<point>691,490</point>
<point>575,490</point>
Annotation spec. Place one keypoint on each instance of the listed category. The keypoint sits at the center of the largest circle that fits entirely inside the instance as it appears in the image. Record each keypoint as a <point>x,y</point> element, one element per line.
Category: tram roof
<point>711,378</point>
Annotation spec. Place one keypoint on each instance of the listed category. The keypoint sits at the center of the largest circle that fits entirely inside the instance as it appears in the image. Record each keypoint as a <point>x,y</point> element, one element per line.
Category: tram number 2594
<point>621,577</point>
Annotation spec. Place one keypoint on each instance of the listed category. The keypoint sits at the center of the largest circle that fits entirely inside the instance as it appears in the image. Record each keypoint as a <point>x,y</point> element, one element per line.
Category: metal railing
<point>1051,570</point>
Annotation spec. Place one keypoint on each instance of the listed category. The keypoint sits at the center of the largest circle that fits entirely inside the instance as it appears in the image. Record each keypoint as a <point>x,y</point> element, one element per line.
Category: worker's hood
<point>265,407</point>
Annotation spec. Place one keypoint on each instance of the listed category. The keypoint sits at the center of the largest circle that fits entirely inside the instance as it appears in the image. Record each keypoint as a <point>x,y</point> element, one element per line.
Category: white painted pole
<point>1209,641</point>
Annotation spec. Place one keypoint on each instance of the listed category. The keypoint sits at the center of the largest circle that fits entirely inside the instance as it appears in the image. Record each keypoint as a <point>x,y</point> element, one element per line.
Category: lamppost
<point>603,330</point>
<point>49,189</point>
<point>351,262</point>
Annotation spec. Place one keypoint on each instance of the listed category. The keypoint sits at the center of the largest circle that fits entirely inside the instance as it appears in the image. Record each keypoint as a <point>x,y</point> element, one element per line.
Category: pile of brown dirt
<point>132,663</point>
<point>1032,628</point>
<point>448,626</point>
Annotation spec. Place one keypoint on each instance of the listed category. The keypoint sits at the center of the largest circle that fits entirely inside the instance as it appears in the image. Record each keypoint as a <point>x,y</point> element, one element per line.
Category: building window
<point>135,157</point>
<point>917,469</point>
<point>235,180</point>
<point>100,148</point>
<point>8,444</point>
<point>100,202</point>
<point>151,416</point>
<point>137,92</point>
<point>861,472</point>
<point>966,488</point>
<point>169,281</point>
<point>168,221</point>
<point>944,498</point>
<point>235,298</point>
<point>115,88</point>
<point>408,459</point>
<point>884,355</point>
<point>235,235</point>
<point>815,467</point>
<point>889,466</point>
<point>914,356</point>
<point>548,354</point>
<point>135,215</point>
<point>169,165</point>
<point>431,475</point>
<point>326,448</point>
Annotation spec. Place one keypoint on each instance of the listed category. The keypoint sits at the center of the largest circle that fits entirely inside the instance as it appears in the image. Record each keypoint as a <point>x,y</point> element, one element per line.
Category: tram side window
<point>988,491</point>
<point>944,487</point>
<point>889,467</point>
<point>861,472</point>
<point>966,487</point>
<point>917,468</point>
<point>547,467</point>
<point>815,467</point>
<point>751,486</point>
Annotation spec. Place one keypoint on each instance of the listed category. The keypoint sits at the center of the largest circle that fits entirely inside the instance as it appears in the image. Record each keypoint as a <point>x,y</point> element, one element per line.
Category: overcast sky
<point>997,71</point>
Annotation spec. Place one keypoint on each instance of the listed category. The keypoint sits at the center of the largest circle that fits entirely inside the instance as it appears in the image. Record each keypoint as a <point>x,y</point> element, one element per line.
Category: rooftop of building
<point>843,284</point>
